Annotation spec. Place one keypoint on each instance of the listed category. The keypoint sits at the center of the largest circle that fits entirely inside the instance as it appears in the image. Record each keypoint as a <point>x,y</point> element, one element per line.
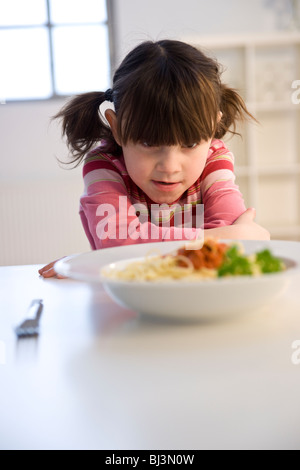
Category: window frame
<point>49,26</point>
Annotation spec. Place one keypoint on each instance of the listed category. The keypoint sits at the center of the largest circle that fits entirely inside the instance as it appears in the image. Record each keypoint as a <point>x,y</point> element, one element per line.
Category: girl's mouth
<point>165,186</point>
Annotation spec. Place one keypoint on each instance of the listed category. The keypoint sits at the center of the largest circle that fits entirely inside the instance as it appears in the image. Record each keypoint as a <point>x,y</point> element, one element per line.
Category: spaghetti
<point>213,260</point>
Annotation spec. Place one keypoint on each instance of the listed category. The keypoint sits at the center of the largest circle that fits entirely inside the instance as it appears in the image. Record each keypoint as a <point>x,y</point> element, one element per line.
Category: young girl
<point>160,158</point>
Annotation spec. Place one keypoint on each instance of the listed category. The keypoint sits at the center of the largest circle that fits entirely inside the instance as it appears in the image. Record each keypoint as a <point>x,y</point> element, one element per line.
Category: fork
<point>30,326</point>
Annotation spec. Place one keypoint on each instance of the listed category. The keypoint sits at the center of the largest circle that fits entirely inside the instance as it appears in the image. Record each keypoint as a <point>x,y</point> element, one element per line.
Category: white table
<point>100,377</point>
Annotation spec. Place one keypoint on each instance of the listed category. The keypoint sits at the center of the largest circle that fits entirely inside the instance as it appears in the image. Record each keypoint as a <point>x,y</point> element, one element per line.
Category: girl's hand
<point>48,271</point>
<point>244,228</point>
<point>249,229</point>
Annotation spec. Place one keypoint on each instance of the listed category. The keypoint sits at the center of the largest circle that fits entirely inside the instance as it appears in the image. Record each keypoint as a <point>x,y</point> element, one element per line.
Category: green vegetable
<point>267,262</point>
<point>237,264</point>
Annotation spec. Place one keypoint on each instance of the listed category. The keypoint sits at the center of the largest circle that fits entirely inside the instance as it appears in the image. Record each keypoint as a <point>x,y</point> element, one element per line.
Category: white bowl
<point>219,298</point>
<point>201,299</point>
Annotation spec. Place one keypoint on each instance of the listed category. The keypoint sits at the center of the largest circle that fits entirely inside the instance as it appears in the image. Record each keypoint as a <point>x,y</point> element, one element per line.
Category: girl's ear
<point>220,116</point>
<point>111,117</point>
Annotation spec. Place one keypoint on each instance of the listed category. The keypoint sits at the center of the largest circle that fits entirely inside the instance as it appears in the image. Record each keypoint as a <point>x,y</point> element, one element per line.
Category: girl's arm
<point>110,219</point>
<point>222,199</point>
<point>244,228</point>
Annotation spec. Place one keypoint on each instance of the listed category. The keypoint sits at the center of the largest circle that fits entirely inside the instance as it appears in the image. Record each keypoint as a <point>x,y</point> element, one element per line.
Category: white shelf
<point>245,40</point>
<point>271,106</point>
<point>267,171</point>
<point>267,159</point>
<point>287,232</point>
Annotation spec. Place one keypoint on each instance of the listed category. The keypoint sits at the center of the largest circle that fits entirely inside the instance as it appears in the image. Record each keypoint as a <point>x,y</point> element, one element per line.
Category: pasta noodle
<point>157,268</point>
<point>190,263</point>
<point>172,266</point>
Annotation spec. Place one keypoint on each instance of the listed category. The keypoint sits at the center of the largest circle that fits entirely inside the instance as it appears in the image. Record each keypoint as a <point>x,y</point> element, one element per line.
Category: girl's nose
<point>169,160</point>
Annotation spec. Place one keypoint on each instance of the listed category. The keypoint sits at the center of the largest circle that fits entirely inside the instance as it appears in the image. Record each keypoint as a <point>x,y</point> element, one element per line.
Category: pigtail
<point>82,124</point>
<point>233,110</point>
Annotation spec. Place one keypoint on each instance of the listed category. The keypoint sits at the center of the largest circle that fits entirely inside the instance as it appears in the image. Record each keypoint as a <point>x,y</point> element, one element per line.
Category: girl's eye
<point>190,146</point>
<point>146,145</point>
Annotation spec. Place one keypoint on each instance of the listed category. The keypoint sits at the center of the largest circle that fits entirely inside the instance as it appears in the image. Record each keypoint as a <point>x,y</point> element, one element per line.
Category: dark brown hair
<point>164,93</point>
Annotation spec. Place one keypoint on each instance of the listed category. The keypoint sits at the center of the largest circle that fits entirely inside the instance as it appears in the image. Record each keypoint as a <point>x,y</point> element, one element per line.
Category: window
<point>53,48</point>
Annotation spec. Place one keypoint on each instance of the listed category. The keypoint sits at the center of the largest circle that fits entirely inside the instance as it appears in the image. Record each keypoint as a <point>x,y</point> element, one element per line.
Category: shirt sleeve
<point>222,199</point>
<point>110,218</point>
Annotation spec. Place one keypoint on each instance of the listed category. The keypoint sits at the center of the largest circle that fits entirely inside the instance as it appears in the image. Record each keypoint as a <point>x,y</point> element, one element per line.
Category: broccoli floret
<point>235,263</point>
<point>267,262</point>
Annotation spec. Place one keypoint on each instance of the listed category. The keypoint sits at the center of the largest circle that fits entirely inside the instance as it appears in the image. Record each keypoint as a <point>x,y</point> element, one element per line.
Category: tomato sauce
<point>210,256</point>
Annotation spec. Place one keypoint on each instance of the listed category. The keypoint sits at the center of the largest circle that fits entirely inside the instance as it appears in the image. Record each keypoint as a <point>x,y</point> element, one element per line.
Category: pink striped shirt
<point>114,211</point>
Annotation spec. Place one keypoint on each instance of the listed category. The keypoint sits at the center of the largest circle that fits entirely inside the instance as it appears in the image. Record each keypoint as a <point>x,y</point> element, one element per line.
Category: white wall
<point>138,20</point>
<point>39,200</point>
<point>39,219</point>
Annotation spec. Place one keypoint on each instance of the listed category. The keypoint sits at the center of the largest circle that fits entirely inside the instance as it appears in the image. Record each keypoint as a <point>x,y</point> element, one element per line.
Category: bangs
<point>165,107</point>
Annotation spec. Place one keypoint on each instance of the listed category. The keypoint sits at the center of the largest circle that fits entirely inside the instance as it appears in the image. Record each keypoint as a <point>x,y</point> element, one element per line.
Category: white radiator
<point>39,221</point>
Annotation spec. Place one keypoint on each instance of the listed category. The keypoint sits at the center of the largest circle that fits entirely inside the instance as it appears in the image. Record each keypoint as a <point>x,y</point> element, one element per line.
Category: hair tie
<point>108,95</point>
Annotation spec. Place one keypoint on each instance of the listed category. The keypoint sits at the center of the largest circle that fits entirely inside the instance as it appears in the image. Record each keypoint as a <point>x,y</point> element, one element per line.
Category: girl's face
<point>165,173</point>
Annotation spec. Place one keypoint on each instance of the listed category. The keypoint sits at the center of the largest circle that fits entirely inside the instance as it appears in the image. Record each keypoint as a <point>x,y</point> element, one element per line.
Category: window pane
<point>25,69</point>
<point>81,59</point>
<point>23,12</point>
<point>78,11</point>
